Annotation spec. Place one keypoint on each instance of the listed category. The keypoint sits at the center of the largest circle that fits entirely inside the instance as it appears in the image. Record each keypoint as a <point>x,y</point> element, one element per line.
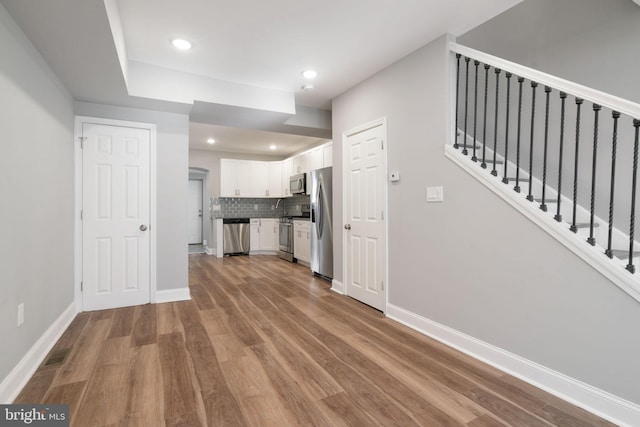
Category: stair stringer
<point>593,255</point>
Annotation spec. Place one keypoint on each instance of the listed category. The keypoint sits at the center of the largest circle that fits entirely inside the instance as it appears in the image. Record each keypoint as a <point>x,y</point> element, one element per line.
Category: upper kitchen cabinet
<point>314,159</point>
<point>300,164</point>
<point>287,171</point>
<point>247,178</point>
<point>274,179</point>
<point>327,155</point>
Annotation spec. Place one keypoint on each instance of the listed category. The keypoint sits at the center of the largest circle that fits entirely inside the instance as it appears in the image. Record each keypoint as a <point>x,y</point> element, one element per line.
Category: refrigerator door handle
<point>320,208</point>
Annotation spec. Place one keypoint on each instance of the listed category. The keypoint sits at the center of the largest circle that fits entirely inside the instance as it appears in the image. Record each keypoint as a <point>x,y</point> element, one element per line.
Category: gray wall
<point>36,184</point>
<point>473,263</point>
<point>172,156</point>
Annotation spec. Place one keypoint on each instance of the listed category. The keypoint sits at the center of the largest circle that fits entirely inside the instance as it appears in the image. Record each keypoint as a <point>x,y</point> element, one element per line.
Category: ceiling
<point>244,69</point>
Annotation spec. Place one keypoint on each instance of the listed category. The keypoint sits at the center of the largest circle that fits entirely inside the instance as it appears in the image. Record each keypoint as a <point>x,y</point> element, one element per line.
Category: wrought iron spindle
<point>494,172</point>
<point>563,98</point>
<point>506,130</point>
<point>517,187</point>
<point>632,222</point>
<point>475,111</point>
<point>596,110</point>
<point>466,105</point>
<point>574,227</point>
<point>456,145</point>
<point>534,86</point>
<point>614,143</point>
<point>543,205</point>
<point>484,129</point>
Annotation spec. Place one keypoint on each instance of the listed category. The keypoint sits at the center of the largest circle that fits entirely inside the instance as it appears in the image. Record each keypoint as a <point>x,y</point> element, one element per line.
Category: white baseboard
<point>172,295</point>
<point>209,251</point>
<point>337,287</point>
<point>13,384</point>
<point>592,399</point>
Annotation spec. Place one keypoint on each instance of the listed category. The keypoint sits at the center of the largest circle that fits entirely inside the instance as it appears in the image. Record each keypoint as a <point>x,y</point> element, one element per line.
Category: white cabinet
<point>247,178</point>
<point>300,164</point>
<point>274,179</point>
<point>314,159</point>
<point>302,241</point>
<point>287,171</point>
<point>235,178</point>
<point>327,155</point>
<point>264,235</point>
<point>228,178</point>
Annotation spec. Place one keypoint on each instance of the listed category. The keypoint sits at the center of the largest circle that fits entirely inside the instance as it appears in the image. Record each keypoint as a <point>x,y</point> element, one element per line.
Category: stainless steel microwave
<point>298,184</point>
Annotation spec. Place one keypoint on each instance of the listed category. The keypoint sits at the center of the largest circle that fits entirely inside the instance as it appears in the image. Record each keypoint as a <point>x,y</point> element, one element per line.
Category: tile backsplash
<point>235,207</point>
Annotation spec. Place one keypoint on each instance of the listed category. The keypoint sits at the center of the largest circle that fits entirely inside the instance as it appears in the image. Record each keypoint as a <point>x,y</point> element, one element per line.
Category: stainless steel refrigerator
<point>321,223</point>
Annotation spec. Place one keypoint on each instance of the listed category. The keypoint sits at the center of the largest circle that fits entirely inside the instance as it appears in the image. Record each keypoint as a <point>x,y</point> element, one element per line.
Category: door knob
<point>143,227</point>
<point>347,227</point>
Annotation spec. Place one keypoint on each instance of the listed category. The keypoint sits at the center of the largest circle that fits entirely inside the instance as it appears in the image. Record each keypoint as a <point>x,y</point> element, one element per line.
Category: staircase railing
<point>540,139</point>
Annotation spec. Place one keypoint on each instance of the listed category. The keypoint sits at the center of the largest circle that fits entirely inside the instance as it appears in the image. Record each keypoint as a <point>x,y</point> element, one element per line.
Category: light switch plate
<point>435,194</point>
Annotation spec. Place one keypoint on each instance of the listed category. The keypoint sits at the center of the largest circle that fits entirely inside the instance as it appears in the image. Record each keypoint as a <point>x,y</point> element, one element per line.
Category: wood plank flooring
<point>263,343</point>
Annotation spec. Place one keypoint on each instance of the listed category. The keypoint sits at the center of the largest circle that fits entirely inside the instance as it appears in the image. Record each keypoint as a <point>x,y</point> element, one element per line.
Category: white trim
<point>13,384</point>
<point>358,129</point>
<point>172,295</point>
<point>593,255</point>
<point>612,102</point>
<point>209,251</point>
<point>337,287</point>
<point>79,121</point>
<point>592,399</point>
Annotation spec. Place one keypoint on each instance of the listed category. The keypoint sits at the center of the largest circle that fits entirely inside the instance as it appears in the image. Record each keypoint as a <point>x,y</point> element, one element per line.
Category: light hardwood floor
<point>262,343</point>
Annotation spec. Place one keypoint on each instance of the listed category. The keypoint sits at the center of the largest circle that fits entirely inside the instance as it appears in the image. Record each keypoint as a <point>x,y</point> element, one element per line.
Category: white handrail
<point>612,102</point>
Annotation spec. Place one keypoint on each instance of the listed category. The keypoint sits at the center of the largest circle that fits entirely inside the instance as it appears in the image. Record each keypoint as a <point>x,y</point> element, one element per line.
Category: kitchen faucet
<point>278,203</point>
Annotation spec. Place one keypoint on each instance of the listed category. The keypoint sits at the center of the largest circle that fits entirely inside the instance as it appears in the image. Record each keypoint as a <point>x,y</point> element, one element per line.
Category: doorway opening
<point>199,217</point>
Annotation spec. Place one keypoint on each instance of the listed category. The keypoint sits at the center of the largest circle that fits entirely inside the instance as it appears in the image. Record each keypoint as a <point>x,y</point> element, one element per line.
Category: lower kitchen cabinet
<point>302,241</point>
<point>264,235</point>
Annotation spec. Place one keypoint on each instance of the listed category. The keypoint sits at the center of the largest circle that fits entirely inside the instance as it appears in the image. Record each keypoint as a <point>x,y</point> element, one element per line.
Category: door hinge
<point>81,286</point>
<point>81,214</point>
<point>382,285</point>
<point>382,214</point>
<point>82,138</point>
<point>382,144</point>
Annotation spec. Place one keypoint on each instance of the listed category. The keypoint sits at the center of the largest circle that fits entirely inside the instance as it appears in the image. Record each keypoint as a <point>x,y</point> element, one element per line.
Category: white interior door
<point>195,211</point>
<point>115,220</point>
<point>365,228</point>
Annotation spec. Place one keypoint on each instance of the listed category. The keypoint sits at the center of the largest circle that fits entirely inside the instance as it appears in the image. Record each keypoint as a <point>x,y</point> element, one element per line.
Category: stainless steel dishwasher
<point>236,236</point>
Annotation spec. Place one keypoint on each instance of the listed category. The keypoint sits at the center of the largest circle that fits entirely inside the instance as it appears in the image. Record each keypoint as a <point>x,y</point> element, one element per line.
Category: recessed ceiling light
<point>181,44</point>
<point>309,74</point>
<point>307,87</point>
<point>272,147</point>
<point>211,141</point>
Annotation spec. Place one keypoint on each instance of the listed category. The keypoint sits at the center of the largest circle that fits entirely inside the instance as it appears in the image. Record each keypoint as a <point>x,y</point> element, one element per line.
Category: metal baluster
<point>543,205</point>
<point>632,222</point>
<point>456,145</point>
<point>534,86</point>
<point>466,105</point>
<point>475,111</point>
<point>614,143</point>
<point>484,130</point>
<point>574,227</point>
<point>563,98</point>
<point>494,172</point>
<point>517,187</point>
<point>506,130</point>
<point>596,110</point>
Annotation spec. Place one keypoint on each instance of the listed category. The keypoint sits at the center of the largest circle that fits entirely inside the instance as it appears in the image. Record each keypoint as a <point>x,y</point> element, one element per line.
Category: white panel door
<point>195,211</point>
<point>365,229</point>
<point>115,224</point>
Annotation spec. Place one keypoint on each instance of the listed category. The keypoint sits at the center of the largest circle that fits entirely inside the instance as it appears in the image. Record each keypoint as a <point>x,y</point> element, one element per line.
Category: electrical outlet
<point>204,243</point>
<point>20,314</point>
